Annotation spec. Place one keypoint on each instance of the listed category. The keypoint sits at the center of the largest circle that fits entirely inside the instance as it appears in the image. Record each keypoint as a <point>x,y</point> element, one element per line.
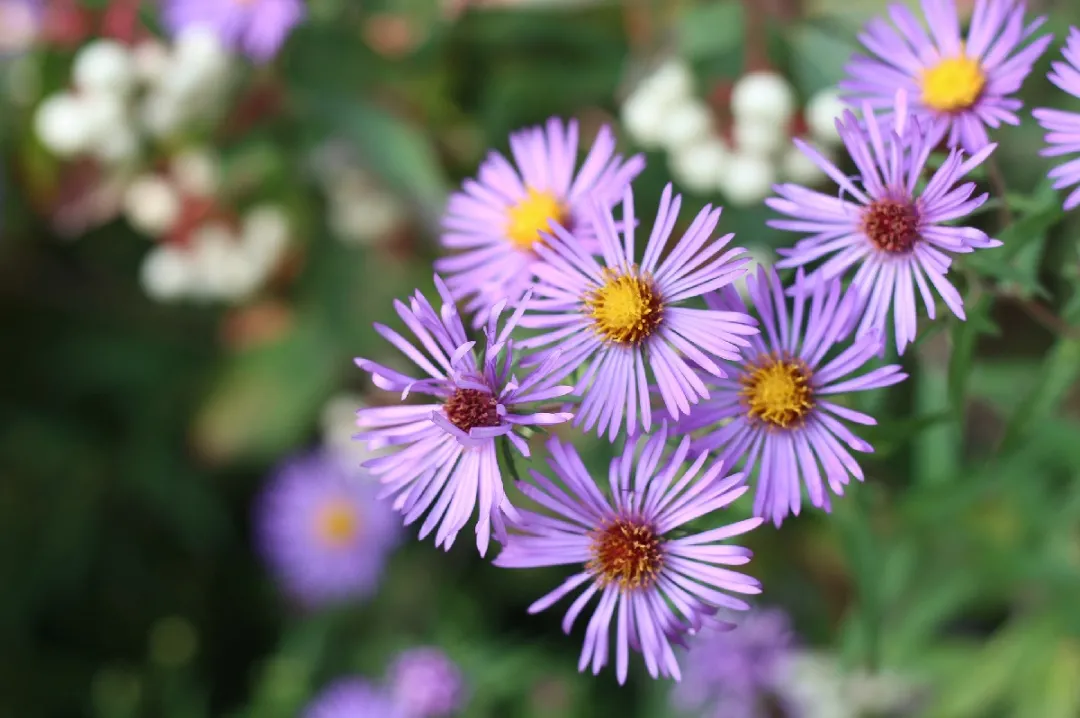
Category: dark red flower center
<point>626,552</point>
<point>467,408</point>
<point>892,225</point>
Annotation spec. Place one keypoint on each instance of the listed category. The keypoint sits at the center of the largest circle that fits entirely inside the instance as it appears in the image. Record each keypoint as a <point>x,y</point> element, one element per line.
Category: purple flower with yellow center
<point>958,85</point>
<point>257,28</point>
<point>443,460</point>
<point>654,578</point>
<point>738,673</point>
<point>351,698</point>
<point>322,531</point>
<point>499,219</point>
<point>625,321</point>
<point>773,414</point>
<point>425,683</point>
<point>1063,128</point>
<point>894,231</point>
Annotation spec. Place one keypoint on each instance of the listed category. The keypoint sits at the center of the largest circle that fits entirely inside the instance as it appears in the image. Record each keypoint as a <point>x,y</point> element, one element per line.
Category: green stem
<point>508,459</point>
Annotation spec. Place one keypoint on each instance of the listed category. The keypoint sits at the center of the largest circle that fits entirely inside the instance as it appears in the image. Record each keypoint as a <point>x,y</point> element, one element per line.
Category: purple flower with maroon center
<point>444,460</point>
<point>773,414</point>
<point>1062,127</point>
<point>958,85</point>
<point>499,219</point>
<point>899,236</point>
<point>257,28</point>
<point>654,578</point>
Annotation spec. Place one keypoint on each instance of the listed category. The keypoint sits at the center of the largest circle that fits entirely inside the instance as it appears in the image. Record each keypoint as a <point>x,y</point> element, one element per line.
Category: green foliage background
<point>132,438</point>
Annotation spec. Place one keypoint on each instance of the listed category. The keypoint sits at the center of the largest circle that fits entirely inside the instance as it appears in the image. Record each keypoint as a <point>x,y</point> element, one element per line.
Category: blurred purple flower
<point>656,587</point>
<point>445,452</point>
<point>736,673</point>
<point>619,319</point>
<point>257,28</point>
<point>772,413</point>
<point>351,698</point>
<point>20,24</point>
<point>425,683</point>
<point>322,531</point>
<point>958,86</point>
<point>1063,128</point>
<point>895,232</point>
<point>497,219</point>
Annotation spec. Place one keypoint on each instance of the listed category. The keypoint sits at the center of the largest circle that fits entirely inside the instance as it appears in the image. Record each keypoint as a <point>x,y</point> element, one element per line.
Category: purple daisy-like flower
<point>322,531</point>
<point>257,28</point>
<point>499,219</point>
<point>625,321</point>
<point>444,460</point>
<point>425,683</point>
<point>654,585</point>
<point>1063,128</point>
<point>351,698</point>
<point>773,412</point>
<point>738,673</point>
<point>959,86</point>
<point>894,231</point>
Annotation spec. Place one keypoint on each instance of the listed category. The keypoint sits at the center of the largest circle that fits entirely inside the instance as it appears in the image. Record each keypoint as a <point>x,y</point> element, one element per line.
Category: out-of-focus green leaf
<point>1051,683</point>
<point>1057,374</point>
<point>818,57</point>
<point>964,337</point>
<point>710,29</point>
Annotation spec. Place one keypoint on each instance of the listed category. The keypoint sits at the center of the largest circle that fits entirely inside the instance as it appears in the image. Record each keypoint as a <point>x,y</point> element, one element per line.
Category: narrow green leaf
<point>1056,375</point>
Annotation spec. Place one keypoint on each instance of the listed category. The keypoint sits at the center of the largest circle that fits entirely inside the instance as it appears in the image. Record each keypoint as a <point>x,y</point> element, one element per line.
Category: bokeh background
<point>142,410</point>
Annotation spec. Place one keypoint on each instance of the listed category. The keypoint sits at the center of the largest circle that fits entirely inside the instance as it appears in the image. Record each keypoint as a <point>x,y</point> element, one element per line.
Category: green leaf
<point>965,335</point>
<point>705,31</point>
<point>1056,375</point>
<point>1053,686</point>
<point>818,57</point>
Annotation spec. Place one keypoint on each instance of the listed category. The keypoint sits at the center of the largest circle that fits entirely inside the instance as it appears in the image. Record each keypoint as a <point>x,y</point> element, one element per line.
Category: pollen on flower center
<point>626,552</point>
<point>531,216</point>
<point>953,84</point>
<point>892,226</point>
<point>778,391</point>
<point>337,523</point>
<point>627,309</point>
<point>468,408</point>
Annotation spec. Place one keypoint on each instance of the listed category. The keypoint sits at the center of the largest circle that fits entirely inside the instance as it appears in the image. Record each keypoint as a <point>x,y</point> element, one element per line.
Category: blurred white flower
<point>760,256</point>
<point>822,111</point>
<point>222,268</point>
<point>167,272</point>
<point>644,119</point>
<point>748,179</point>
<point>152,205</point>
<point>366,217</point>
<point>338,422</point>
<point>120,145</point>
<point>151,61</point>
<point>196,171</point>
<point>812,680</point>
<point>104,66</point>
<point>759,138</point>
<point>700,166</point>
<point>764,97</point>
<point>264,236</point>
<point>798,168</point>
<point>669,83</point>
<point>646,111</point>
<point>61,123</point>
<point>687,122</point>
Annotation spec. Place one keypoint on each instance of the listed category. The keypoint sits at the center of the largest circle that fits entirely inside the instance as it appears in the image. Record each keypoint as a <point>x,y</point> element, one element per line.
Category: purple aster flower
<point>958,85</point>
<point>351,698</point>
<point>322,530</point>
<point>257,28</point>
<point>1063,128</point>
<point>425,683</point>
<point>625,321</point>
<point>773,412</point>
<point>20,24</point>
<point>498,219</point>
<point>738,673</point>
<point>655,585</point>
<point>892,230</point>
<point>444,455</point>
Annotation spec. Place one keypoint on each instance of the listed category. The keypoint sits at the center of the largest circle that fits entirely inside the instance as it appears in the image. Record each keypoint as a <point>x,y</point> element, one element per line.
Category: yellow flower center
<point>627,309</point>
<point>627,553</point>
<point>337,523</point>
<point>531,216</point>
<point>778,392</point>
<point>953,84</point>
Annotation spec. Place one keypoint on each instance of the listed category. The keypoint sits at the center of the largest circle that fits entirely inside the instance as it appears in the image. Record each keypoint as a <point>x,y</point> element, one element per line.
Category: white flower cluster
<point>664,112</point>
<point>815,682</point>
<point>120,95</point>
<point>360,211</point>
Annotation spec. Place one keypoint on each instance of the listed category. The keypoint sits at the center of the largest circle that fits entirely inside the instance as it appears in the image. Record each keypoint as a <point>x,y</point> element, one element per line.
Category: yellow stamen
<point>531,216</point>
<point>953,84</point>
<point>337,523</point>
<point>778,392</point>
<point>627,309</point>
